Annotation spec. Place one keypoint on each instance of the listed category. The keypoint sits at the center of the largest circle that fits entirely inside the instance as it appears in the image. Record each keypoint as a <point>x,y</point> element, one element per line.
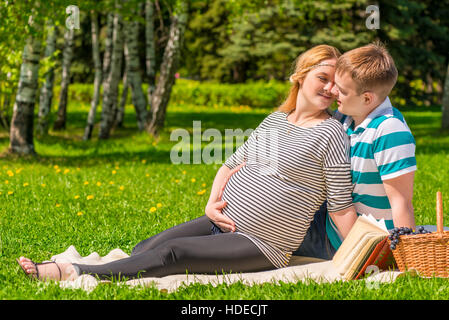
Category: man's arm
<point>400,194</point>
<point>344,220</point>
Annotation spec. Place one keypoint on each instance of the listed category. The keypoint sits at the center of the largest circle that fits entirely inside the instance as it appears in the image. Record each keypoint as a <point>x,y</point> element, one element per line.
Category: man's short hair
<point>371,67</point>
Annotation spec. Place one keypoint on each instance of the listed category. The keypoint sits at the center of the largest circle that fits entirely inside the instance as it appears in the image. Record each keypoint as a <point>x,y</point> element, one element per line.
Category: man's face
<point>345,91</point>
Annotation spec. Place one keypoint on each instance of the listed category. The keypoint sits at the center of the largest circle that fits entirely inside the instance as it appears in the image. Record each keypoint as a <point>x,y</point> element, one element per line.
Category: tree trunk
<point>121,106</point>
<point>445,102</point>
<point>21,133</point>
<point>134,79</point>
<point>46,96</point>
<point>150,51</point>
<point>67,56</point>
<point>169,64</point>
<point>108,45</point>
<point>110,86</point>
<point>98,75</point>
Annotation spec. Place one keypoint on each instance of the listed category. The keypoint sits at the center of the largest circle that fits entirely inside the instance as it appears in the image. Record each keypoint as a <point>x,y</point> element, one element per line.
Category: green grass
<point>45,206</point>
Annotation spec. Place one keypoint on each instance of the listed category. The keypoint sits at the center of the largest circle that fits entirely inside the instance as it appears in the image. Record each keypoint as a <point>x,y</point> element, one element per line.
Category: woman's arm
<point>344,220</point>
<point>215,204</point>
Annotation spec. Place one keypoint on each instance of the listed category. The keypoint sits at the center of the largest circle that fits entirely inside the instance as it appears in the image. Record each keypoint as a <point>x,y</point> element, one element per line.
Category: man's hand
<point>213,212</point>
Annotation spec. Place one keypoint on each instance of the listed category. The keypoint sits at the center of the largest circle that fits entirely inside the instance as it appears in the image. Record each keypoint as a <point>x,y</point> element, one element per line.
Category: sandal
<point>36,275</point>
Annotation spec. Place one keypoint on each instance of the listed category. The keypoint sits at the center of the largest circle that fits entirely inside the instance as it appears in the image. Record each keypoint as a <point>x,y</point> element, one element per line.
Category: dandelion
<point>122,188</point>
<point>147,175</point>
<point>90,197</point>
<point>66,171</point>
<point>58,205</point>
<point>10,192</point>
<point>111,182</point>
<point>10,173</point>
<point>184,172</point>
<point>193,180</point>
<point>152,209</point>
<point>78,169</point>
<point>201,192</point>
<point>114,172</point>
<point>177,180</point>
<point>43,185</point>
<point>6,181</point>
<point>80,213</point>
<point>26,184</point>
<point>56,166</point>
<point>203,185</point>
<point>144,161</point>
<point>159,205</point>
<point>99,183</point>
<point>58,170</point>
<point>86,183</point>
<point>77,197</point>
<point>18,170</point>
<point>117,167</point>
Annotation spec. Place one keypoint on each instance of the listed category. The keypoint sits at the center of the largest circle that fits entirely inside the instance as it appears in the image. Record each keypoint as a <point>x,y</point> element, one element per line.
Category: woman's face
<point>315,89</point>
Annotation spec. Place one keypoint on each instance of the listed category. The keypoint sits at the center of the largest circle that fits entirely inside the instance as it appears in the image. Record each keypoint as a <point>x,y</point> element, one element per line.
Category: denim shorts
<point>316,244</point>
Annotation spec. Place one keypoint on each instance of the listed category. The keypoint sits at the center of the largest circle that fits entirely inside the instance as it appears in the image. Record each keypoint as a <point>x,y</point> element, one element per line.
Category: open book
<point>365,244</point>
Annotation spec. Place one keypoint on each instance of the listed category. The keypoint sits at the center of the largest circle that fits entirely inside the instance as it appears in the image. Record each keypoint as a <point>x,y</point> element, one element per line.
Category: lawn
<point>101,195</point>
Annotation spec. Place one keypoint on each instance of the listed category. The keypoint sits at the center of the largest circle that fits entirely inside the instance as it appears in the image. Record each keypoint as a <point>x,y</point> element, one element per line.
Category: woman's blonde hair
<point>304,63</point>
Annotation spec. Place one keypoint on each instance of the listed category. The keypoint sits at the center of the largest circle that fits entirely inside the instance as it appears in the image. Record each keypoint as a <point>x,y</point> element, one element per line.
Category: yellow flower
<point>114,172</point>
<point>159,205</point>
<point>144,161</point>
<point>152,209</point>
<point>147,175</point>
<point>10,173</point>
<point>78,169</point>
<point>90,197</point>
<point>56,167</point>
<point>18,170</point>
<point>193,180</point>
<point>116,168</point>
<point>10,192</point>
<point>184,172</point>
<point>201,192</point>
<point>177,180</point>
<point>58,205</point>
<point>86,182</point>
<point>98,183</point>
<point>111,182</point>
<point>58,170</point>
<point>77,196</point>
<point>80,213</point>
<point>6,181</point>
<point>26,184</point>
<point>43,185</point>
<point>203,185</point>
<point>122,188</point>
<point>66,171</point>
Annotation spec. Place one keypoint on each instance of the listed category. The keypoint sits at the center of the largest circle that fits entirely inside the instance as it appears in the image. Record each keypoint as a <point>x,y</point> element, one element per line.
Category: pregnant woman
<point>294,160</point>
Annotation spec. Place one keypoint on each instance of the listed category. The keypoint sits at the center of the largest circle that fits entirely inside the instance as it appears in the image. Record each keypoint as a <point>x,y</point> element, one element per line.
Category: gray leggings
<point>189,247</point>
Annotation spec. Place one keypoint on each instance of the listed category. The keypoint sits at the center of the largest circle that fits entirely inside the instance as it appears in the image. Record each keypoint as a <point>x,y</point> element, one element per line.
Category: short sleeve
<point>337,171</point>
<point>394,149</point>
<point>241,154</point>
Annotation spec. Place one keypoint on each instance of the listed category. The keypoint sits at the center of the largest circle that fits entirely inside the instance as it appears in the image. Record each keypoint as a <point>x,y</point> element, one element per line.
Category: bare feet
<point>48,271</point>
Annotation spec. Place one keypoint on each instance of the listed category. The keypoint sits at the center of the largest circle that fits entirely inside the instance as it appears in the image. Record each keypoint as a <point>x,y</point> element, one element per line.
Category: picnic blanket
<point>300,269</point>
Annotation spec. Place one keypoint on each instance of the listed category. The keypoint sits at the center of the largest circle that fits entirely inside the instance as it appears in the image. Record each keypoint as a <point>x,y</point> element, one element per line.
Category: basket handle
<point>439,213</point>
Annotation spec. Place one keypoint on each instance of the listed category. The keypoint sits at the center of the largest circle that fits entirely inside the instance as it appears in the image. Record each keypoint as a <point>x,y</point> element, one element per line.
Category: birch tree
<point>21,131</point>
<point>110,85</point>
<point>98,75</point>
<point>150,48</point>
<point>67,57</point>
<point>134,79</point>
<point>46,94</point>
<point>122,103</point>
<point>161,96</point>
<point>445,102</point>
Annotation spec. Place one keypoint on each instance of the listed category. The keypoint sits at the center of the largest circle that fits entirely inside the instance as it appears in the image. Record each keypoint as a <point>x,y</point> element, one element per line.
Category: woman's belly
<point>267,207</point>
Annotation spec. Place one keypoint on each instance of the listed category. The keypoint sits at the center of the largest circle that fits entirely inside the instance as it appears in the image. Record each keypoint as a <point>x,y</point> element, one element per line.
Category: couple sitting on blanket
<point>296,186</point>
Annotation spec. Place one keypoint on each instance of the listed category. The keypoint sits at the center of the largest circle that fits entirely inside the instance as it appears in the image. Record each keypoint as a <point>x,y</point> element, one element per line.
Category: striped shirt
<point>382,148</point>
<point>289,172</point>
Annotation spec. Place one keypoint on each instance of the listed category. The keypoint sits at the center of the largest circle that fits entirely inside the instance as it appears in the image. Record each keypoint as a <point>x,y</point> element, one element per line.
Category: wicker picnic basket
<point>428,254</point>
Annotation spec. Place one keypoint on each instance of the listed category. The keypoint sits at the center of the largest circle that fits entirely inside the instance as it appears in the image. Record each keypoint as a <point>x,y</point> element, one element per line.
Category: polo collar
<point>379,110</point>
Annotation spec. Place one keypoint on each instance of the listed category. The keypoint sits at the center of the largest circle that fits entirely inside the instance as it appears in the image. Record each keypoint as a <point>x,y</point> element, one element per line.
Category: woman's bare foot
<point>49,271</point>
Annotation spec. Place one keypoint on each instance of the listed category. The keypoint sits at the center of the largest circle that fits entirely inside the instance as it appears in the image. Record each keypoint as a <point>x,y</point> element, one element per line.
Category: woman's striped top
<point>290,171</point>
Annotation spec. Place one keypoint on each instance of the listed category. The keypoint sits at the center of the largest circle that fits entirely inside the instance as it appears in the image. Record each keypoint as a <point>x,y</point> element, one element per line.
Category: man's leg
<point>316,243</point>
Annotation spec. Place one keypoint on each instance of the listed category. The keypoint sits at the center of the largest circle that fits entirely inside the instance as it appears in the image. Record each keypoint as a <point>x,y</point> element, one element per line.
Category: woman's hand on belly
<point>213,212</point>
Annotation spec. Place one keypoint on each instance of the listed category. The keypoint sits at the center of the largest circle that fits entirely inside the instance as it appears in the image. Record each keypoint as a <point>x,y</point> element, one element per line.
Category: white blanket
<point>301,269</point>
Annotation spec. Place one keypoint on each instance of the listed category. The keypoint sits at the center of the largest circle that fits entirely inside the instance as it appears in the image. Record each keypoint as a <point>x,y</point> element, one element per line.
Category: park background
<point>90,92</point>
